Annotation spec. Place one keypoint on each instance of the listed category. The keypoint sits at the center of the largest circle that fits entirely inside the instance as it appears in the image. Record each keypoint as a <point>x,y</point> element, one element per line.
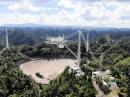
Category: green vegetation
<point>68,85</point>
<point>13,83</point>
<point>117,58</point>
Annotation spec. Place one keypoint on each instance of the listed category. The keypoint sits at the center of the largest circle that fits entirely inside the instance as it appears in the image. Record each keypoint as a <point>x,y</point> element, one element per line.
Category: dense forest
<point>26,43</point>
<point>13,83</point>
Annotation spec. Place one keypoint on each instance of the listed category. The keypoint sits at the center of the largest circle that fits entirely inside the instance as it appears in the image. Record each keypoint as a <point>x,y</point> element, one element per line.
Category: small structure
<point>79,73</point>
<point>112,79</point>
<point>97,74</point>
<point>75,67</point>
<point>108,72</point>
<point>104,83</point>
<point>77,70</point>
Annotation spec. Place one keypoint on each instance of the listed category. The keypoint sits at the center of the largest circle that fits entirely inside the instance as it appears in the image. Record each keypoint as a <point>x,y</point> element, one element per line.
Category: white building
<point>77,70</point>
<point>101,74</point>
<point>97,74</point>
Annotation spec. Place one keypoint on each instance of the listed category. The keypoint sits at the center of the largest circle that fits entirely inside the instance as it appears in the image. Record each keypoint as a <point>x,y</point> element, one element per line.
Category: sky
<point>96,13</point>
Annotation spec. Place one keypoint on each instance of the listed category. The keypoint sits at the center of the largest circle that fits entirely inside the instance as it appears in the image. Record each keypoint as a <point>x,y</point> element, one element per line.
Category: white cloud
<point>71,12</point>
<point>66,3</point>
<point>17,18</point>
<point>23,5</point>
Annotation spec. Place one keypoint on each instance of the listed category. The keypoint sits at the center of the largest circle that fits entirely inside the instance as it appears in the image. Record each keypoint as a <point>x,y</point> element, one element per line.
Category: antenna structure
<point>7,40</point>
<point>87,48</point>
<point>61,41</point>
<point>79,48</point>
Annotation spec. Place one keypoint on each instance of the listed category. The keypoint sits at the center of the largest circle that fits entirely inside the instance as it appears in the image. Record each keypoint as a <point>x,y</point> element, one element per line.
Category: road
<point>100,93</point>
<point>113,93</point>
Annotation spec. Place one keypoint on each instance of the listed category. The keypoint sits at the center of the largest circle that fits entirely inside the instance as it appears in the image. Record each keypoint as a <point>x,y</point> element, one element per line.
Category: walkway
<point>113,93</point>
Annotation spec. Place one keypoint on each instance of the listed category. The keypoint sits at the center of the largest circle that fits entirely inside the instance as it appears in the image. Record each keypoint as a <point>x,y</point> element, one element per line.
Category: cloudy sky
<point>108,13</point>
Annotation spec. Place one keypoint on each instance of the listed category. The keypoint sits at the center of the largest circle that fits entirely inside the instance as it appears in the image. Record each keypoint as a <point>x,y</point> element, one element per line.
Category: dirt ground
<point>49,69</point>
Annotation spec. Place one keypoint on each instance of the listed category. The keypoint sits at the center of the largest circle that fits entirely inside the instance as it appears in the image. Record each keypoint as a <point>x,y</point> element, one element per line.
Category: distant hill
<point>33,33</point>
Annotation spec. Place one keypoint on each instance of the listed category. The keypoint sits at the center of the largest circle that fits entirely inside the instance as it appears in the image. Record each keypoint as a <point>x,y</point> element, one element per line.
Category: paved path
<point>113,93</point>
<point>100,93</point>
<point>114,90</point>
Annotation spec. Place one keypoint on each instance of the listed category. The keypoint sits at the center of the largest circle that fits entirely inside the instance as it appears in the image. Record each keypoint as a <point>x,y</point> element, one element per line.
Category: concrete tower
<point>87,48</point>
<point>7,40</point>
<point>79,48</point>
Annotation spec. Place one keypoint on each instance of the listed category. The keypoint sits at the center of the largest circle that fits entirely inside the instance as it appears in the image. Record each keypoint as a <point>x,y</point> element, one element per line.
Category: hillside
<point>30,35</point>
<point>16,84</point>
<point>13,83</point>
